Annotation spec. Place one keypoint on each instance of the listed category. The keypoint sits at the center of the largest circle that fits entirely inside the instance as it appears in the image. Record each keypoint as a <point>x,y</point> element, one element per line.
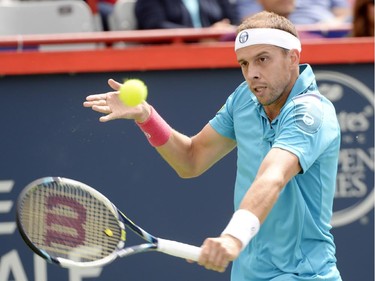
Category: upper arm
<point>190,157</point>
<point>208,147</point>
<point>279,165</point>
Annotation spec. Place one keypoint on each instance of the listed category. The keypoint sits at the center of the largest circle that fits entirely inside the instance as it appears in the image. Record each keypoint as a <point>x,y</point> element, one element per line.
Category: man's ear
<point>294,57</point>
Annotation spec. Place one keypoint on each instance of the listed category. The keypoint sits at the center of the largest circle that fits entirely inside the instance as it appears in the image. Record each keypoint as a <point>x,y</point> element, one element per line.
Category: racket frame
<point>154,244</point>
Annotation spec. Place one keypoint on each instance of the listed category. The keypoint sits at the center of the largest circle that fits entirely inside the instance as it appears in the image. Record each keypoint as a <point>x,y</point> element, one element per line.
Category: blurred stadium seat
<point>123,16</point>
<point>47,17</point>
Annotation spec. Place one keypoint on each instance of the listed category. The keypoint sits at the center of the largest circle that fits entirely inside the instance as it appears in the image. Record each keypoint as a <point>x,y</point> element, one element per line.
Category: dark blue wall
<point>45,131</point>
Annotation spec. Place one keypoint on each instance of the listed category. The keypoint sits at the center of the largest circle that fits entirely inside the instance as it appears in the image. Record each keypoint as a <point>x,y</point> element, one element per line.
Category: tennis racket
<point>70,224</point>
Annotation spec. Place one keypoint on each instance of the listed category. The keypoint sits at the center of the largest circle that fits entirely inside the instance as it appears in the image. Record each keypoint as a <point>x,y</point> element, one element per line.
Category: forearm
<point>253,210</point>
<point>261,197</point>
<point>178,153</point>
<point>272,177</point>
<point>189,157</point>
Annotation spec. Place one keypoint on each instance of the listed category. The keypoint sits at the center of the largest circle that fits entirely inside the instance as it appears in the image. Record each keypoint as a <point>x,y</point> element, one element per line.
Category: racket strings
<point>69,222</point>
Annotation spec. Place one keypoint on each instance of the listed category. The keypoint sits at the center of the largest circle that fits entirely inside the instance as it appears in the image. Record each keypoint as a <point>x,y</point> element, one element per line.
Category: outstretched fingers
<point>114,84</point>
<point>92,100</point>
<point>111,106</point>
<point>101,103</point>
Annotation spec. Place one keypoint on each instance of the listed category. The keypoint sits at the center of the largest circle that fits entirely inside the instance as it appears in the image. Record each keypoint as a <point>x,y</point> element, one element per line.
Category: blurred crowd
<point>227,14</point>
<point>319,14</point>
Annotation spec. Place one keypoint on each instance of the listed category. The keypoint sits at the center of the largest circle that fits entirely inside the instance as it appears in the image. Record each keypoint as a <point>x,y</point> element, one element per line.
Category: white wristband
<point>244,225</point>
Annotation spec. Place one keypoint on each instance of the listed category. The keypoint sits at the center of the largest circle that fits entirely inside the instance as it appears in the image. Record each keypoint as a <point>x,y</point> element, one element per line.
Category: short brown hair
<point>268,20</point>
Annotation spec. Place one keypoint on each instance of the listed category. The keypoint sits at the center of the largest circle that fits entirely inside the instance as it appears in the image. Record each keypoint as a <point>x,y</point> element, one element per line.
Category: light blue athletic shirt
<point>294,242</point>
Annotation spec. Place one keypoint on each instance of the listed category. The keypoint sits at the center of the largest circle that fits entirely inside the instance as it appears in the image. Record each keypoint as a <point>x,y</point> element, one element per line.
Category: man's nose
<point>252,73</point>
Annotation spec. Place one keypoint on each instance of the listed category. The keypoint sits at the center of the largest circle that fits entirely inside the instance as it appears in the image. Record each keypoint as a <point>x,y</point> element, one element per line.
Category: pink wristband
<point>156,129</point>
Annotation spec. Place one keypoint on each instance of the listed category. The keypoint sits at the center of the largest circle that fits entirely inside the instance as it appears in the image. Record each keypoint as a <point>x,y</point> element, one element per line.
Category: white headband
<point>270,36</point>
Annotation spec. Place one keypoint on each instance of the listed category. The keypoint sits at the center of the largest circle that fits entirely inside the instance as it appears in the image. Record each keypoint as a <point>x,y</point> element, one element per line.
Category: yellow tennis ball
<point>133,92</point>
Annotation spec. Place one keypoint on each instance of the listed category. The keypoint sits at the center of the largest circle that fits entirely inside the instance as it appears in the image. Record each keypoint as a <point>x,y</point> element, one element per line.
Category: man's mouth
<point>259,89</point>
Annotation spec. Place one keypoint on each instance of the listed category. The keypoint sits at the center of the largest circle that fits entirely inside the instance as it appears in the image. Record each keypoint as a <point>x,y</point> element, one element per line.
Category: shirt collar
<point>305,79</point>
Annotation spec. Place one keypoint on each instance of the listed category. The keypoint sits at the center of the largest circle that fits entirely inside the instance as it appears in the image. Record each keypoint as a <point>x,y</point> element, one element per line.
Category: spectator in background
<point>247,8</point>
<point>281,7</point>
<point>306,11</point>
<point>161,14</point>
<point>285,8</point>
<point>363,18</point>
<point>105,9</point>
<point>321,11</point>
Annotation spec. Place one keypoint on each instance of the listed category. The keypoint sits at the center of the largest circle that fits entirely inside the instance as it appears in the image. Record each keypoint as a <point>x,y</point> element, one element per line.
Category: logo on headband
<point>243,37</point>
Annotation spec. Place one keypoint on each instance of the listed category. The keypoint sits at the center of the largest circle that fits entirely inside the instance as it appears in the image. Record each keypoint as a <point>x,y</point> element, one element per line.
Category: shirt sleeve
<point>223,120</point>
<point>308,126</point>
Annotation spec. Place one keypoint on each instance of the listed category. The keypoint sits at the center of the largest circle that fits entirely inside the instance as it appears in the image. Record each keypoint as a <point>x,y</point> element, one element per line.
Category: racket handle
<point>180,250</point>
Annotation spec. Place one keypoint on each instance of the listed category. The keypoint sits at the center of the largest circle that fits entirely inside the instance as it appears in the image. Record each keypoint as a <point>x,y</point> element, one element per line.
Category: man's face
<point>269,71</point>
<point>280,7</point>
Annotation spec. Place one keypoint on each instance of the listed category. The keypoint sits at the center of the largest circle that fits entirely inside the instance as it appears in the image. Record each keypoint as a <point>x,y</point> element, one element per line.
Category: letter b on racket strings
<point>66,229</point>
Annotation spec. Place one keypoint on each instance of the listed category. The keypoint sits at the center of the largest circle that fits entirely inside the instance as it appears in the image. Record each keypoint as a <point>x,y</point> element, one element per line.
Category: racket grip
<point>178,249</point>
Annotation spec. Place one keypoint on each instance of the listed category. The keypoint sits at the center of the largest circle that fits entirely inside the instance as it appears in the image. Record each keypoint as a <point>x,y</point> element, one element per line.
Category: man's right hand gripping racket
<point>71,224</point>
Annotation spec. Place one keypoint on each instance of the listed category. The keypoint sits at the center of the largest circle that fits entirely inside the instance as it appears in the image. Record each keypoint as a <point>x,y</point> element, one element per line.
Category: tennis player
<point>287,138</point>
